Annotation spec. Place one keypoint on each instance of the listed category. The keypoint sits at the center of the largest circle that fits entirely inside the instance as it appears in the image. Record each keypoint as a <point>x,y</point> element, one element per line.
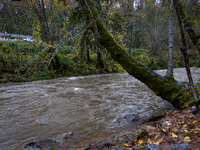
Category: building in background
<point>15,37</point>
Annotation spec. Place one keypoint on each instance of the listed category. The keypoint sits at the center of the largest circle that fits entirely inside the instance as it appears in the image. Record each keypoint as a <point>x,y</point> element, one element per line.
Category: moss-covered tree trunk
<point>167,88</point>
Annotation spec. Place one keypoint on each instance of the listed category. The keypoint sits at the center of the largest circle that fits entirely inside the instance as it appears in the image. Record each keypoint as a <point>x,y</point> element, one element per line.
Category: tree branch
<point>91,18</point>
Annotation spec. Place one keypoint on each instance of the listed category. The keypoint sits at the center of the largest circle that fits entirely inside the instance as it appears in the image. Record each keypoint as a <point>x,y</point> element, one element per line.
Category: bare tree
<point>184,49</point>
<point>171,43</point>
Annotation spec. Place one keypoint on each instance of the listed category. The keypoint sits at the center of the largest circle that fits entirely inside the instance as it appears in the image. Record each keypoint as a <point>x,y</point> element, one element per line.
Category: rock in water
<point>128,119</point>
<point>132,118</point>
<point>120,148</point>
<point>48,144</point>
<point>151,146</point>
<point>38,145</point>
<point>60,138</point>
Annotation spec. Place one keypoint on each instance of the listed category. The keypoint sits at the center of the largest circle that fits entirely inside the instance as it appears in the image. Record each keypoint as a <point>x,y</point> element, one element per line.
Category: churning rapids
<point>89,106</point>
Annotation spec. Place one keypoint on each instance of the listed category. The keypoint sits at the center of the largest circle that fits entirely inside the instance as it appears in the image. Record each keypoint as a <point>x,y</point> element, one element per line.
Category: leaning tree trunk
<point>184,49</point>
<point>194,36</point>
<point>169,89</point>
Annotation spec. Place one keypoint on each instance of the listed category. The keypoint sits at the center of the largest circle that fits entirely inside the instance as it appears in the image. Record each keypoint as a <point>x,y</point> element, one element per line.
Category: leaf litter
<point>178,127</point>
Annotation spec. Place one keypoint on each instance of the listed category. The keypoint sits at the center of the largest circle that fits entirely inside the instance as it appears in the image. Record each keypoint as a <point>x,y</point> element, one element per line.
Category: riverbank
<point>11,76</point>
<point>178,127</point>
<point>24,61</point>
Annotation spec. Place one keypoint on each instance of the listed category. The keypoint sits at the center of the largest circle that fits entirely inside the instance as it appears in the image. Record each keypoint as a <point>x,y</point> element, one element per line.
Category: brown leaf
<point>151,127</point>
<point>159,141</point>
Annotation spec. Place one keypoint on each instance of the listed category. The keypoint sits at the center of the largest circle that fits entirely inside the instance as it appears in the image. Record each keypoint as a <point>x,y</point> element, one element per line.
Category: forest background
<point>64,46</point>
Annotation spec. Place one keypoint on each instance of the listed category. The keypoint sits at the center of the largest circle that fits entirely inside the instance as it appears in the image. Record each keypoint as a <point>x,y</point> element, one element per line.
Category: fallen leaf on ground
<point>167,122</point>
<point>159,141</point>
<point>174,135</point>
<point>150,127</point>
<point>156,137</point>
<point>187,139</point>
<point>149,140</point>
<point>127,145</point>
<point>175,129</point>
<point>197,129</point>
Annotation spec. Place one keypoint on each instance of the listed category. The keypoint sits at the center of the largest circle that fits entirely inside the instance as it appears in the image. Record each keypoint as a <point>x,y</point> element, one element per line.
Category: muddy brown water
<point>89,106</point>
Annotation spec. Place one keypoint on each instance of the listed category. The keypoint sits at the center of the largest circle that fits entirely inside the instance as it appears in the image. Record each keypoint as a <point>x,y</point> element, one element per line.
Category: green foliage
<point>66,24</point>
<point>197,100</point>
<point>166,112</point>
<point>53,144</point>
<point>29,62</point>
<point>160,61</point>
<point>148,60</point>
<point>33,60</point>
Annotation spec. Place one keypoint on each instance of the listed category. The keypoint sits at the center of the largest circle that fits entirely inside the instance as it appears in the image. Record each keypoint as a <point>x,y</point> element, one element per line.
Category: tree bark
<point>168,89</point>
<point>87,50</point>
<point>131,37</point>
<point>170,66</point>
<point>184,49</point>
<point>99,60</point>
<point>194,36</point>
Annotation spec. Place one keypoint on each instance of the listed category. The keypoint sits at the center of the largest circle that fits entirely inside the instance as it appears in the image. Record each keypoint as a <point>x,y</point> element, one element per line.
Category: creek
<point>89,106</point>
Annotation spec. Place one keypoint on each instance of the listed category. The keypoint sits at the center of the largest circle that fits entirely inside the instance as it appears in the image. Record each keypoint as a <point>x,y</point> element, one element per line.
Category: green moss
<point>188,104</point>
<point>164,87</point>
<point>170,77</point>
<point>6,80</point>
